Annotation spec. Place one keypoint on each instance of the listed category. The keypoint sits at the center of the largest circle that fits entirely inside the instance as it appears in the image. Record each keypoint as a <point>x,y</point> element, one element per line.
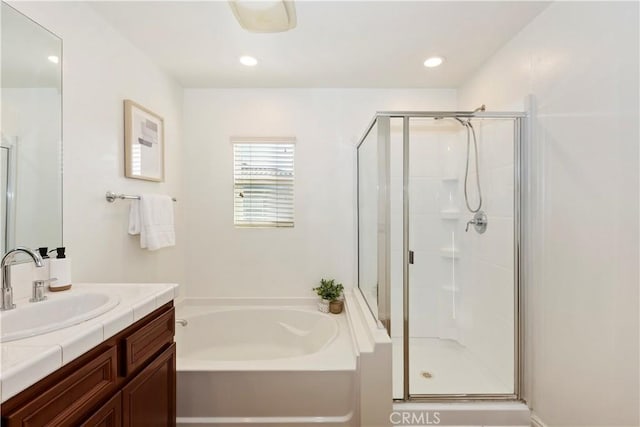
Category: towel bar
<point>111,197</point>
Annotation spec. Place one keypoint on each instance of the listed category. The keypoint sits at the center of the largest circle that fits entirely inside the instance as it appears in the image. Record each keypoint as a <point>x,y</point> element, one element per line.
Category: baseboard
<point>536,421</point>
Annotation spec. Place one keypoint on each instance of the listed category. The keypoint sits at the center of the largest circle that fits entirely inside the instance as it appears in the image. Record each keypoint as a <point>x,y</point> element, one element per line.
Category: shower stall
<point>439,237</point>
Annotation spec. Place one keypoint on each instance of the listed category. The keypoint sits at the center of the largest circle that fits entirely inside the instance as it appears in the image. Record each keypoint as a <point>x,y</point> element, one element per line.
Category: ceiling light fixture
<point>249,61</point>
<point>264,16</point>
<point>53,59</point>
<point>434,61</point>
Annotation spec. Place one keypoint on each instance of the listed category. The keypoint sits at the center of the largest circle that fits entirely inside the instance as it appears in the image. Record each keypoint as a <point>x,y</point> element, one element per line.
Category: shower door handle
<point>410,257</point>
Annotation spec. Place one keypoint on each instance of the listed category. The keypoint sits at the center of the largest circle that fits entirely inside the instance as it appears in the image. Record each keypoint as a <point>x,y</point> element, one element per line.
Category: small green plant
<point>329,290</point>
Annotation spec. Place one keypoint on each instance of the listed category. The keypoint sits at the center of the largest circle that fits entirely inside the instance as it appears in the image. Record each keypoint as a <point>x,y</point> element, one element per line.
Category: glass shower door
<point>367,158</point>
<point>461,282</point>
<point>444,282</point>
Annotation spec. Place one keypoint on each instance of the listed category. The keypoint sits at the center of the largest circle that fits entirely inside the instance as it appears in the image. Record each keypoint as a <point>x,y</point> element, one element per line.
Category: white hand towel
<point>152,218</point>
<point>134,217</point>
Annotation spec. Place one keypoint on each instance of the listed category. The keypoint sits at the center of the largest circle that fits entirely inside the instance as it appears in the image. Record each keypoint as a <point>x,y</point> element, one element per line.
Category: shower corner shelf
<point>449,178</point>
<point>450,288</point>
<point>450,214</point>
<point>451,253</point>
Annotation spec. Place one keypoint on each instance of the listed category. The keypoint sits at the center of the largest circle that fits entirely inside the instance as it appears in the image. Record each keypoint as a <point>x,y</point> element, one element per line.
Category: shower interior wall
<point>461,285</point>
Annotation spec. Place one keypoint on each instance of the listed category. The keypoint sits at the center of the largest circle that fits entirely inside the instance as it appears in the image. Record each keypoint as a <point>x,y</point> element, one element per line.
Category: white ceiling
<point>335,44</point>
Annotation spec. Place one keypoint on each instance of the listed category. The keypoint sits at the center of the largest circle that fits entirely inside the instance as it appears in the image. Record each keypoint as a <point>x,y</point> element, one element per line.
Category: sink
<point>58,312</point>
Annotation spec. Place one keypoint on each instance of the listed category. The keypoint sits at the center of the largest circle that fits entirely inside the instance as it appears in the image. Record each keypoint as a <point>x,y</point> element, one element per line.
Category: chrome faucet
<point>7,261</point>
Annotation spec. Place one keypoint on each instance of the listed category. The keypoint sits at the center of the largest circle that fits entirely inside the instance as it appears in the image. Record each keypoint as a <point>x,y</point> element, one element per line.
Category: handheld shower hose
<point>471,131</point>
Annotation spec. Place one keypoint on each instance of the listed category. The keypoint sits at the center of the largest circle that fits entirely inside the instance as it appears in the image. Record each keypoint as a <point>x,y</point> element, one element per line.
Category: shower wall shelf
<point>450,288</point>
<point>449,178</point>
<point>450,214</point>
<point>451,253</point>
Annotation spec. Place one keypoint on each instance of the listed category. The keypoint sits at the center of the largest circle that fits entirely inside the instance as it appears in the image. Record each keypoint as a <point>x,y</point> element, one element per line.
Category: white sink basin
<point>30,319</point>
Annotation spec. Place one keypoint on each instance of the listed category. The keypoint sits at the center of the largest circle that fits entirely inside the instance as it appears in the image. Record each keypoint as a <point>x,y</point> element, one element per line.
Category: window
<point>263,182</point>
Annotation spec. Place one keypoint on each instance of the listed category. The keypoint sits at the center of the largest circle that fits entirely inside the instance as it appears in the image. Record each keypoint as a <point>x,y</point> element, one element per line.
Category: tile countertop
<point>26,361</point>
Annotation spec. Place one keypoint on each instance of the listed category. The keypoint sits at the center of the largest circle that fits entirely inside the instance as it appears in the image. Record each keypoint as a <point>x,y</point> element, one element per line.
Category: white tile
<point>499,193</point>
<point>165,297</point>
<point>427,233</point>
<point>76,345</point>
<point>495,285</point>
<point>144,307</point>
<point>424,159</point>
<point>497,144</point>
<point>451,152</point>
<point>25,365</point>
<point>424,195</point>
<point>114,323</point>
<point>425,277</point>
<point>496,244</point>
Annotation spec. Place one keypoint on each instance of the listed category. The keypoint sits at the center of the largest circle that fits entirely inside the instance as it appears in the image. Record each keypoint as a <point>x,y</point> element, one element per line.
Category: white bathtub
<point>249,362</point>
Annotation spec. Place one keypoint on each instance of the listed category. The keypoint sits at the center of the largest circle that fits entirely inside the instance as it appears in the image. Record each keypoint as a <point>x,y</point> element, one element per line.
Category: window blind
<point>263,184</point>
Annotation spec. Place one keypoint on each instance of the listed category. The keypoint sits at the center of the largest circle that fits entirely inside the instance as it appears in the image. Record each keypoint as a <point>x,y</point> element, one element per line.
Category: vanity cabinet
<point>128,380</point>
<point>109,414</point>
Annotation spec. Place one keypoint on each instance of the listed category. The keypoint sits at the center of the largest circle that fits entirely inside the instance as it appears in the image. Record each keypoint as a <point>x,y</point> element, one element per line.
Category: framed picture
<point>143,143</point>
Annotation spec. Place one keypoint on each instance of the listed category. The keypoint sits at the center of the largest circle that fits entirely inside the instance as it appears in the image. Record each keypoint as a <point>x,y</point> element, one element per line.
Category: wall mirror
<point>31,164</point>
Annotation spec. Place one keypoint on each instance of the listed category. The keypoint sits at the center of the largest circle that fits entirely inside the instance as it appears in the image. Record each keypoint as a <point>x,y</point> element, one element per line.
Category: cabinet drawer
<point>67,402</point>
<point>109,414</point>
<point>148,341</point>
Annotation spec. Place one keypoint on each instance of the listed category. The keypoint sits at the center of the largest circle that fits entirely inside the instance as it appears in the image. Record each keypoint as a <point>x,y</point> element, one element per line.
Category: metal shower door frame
<point>9,227</point>
<point>384,202</point>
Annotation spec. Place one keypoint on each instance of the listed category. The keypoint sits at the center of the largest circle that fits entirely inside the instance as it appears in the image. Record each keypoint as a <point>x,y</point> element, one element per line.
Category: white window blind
<point>263,182</point>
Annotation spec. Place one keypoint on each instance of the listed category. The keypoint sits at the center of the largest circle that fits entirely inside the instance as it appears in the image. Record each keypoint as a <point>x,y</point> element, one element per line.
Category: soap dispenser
<point>60,269</point>
<point>43,273</point>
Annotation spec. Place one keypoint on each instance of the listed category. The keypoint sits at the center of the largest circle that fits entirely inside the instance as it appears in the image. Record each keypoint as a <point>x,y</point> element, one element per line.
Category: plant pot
<point>323,306</point>
<point>336,306</point>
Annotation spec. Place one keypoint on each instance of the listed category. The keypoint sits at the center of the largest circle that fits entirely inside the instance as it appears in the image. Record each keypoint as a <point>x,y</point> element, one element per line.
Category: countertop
<point>26,361</point>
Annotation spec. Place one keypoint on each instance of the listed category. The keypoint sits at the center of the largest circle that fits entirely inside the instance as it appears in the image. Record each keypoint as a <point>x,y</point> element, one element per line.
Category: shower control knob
<point>479,222</point>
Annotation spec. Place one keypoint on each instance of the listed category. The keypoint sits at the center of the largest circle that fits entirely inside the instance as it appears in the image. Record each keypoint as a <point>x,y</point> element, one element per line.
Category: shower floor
<point>453,368</point>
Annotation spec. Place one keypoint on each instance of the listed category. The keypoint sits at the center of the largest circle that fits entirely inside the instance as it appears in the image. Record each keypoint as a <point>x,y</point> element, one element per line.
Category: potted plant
<point>330,292</point>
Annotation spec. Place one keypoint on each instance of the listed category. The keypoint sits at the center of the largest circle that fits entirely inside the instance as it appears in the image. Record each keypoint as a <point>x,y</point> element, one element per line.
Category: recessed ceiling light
<point>249,61</point>
<point>53,59</point>
<point>434,61</point>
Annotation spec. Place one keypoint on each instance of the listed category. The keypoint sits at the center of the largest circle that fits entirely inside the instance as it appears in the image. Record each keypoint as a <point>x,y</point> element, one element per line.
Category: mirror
<point>31,163</point>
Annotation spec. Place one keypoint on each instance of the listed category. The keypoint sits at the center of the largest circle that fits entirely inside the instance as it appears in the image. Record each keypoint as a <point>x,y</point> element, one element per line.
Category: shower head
<point>463,122</point>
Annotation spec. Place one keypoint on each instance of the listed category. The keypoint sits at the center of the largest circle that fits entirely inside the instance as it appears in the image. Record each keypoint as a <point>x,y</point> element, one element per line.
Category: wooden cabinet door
<point>109,415</point>
<point>149,400</point>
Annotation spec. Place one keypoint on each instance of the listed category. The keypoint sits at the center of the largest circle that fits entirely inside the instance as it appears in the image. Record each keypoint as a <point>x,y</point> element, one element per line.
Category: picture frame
<point>143,143</point>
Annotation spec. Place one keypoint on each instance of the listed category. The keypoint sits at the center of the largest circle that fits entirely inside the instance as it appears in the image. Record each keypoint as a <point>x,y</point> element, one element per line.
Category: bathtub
<point>250,362</point>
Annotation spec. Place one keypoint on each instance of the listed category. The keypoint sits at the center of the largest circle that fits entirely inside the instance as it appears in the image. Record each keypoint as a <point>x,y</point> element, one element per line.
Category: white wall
<point>580,62</point>
<point>225,261</point>
<point>100,70</point>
